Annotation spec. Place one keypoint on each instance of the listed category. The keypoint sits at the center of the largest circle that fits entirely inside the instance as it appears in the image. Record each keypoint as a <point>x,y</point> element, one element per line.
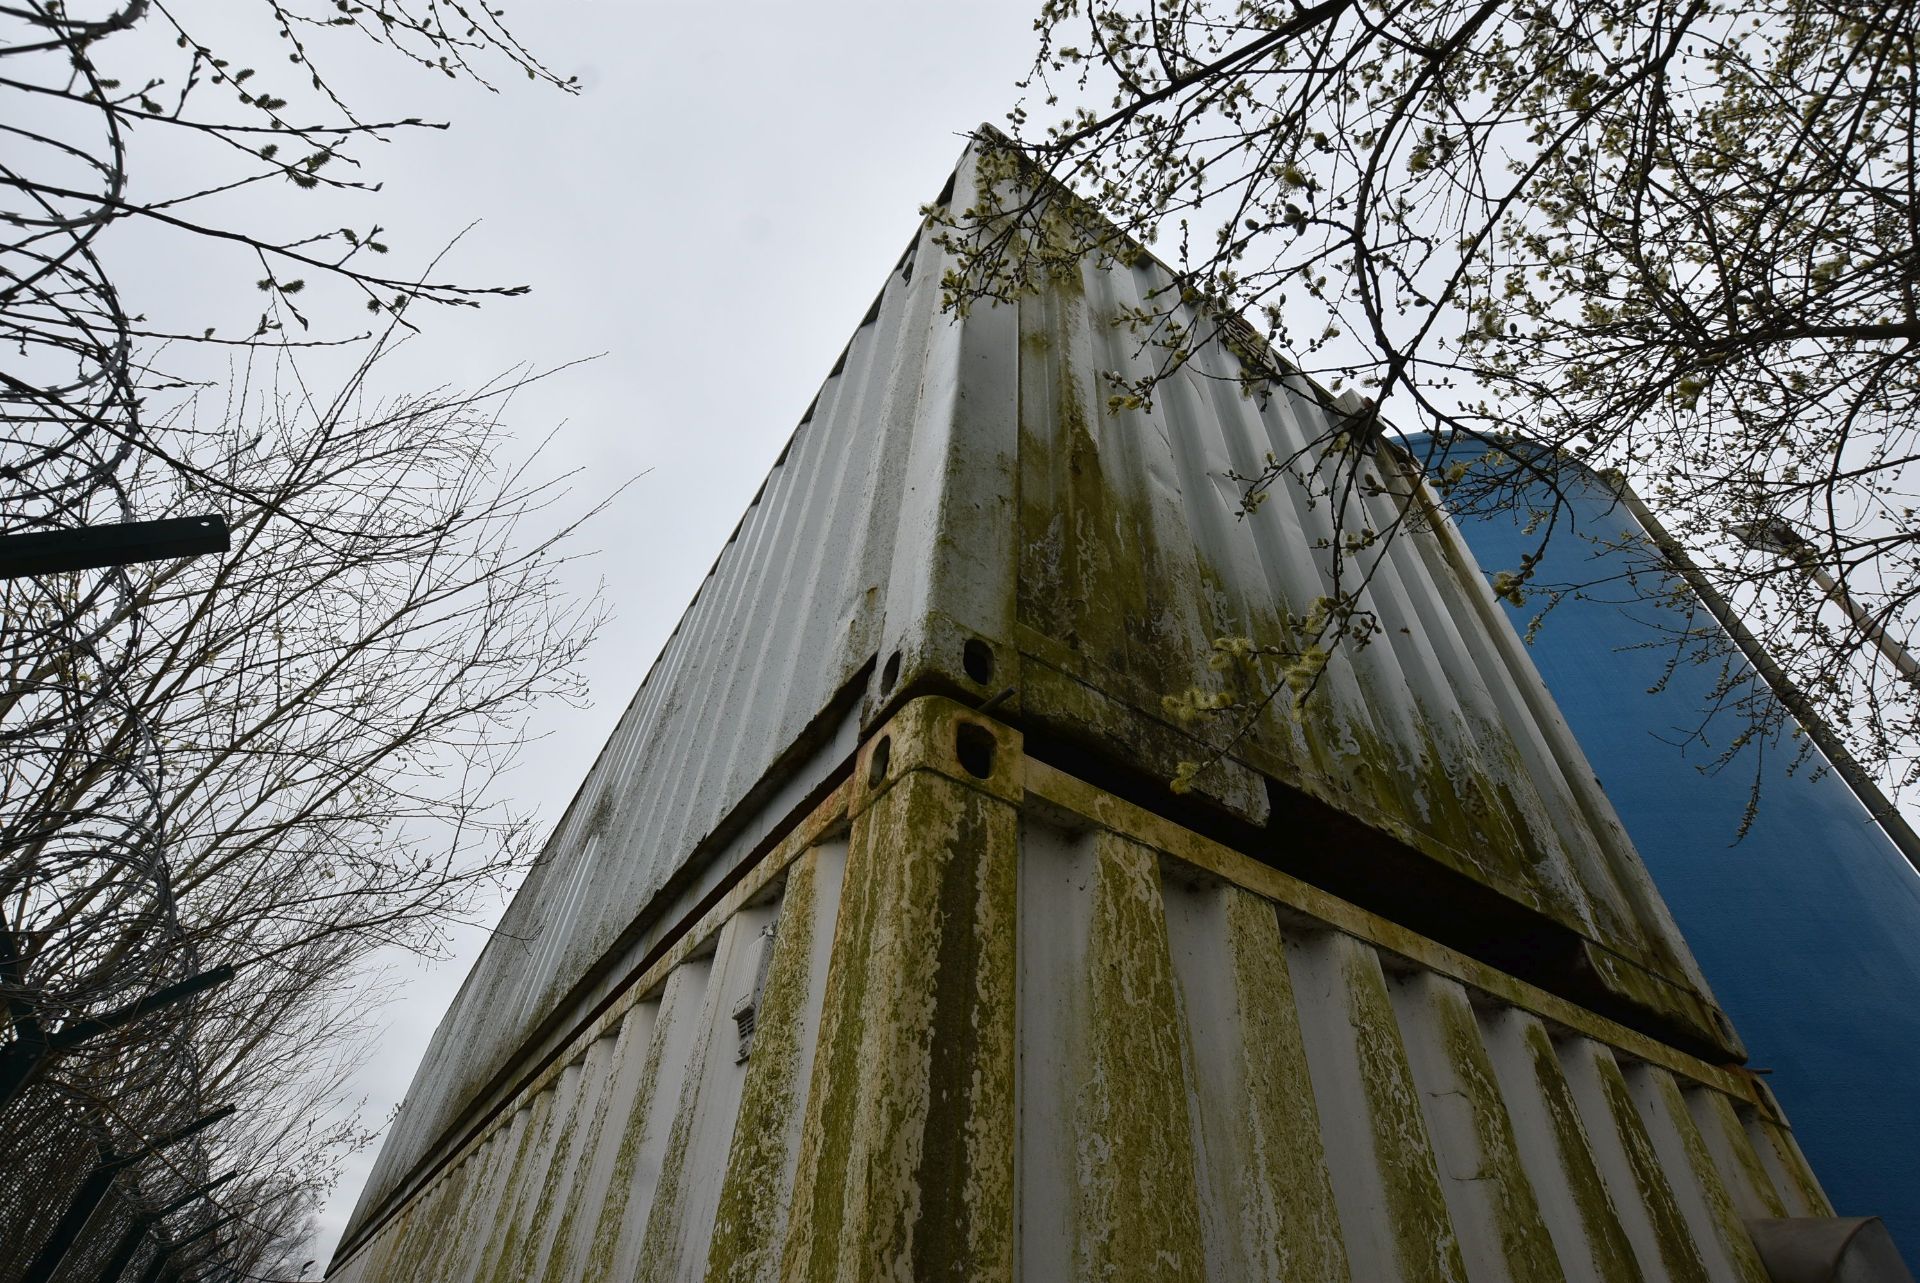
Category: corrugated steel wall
<point>1132,561</point>
<point>960,511</point>
<point>1005,1024</point>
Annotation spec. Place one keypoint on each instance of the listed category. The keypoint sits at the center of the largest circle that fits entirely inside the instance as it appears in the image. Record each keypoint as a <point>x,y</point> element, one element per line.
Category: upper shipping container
<point>961,511</point>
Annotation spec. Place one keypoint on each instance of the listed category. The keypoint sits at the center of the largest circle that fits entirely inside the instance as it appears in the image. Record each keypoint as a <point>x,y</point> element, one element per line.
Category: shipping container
<point>1804,914</point>
<point>824,974</point>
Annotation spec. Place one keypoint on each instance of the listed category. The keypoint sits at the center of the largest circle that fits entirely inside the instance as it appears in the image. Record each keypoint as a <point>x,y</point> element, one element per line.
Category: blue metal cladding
<point>1808,928</point>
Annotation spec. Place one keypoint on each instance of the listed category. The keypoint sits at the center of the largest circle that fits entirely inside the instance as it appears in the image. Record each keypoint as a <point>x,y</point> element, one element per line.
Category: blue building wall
<point>1808,928</point>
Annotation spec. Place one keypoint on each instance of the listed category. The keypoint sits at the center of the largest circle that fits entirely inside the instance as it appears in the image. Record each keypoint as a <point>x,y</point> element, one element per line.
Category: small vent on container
<point>746,1009</point>
<point>877,761</point>
<point>890,673</point>
<point>743,1027</point>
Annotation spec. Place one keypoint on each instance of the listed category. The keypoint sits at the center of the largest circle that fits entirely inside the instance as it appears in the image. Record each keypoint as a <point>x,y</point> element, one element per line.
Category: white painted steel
<point>1550,1153</point>
<point>928,498</point>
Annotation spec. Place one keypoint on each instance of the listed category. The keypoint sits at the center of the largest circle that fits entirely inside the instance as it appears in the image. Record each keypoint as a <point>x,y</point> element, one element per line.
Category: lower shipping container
<point>971,1017</point>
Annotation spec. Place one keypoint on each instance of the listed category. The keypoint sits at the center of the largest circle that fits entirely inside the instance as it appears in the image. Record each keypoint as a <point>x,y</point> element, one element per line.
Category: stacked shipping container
<point>827,975</point>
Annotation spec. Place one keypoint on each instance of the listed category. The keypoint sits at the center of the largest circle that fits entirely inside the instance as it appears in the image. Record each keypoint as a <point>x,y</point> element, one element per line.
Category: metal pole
<point>24,1057</point>
<point>49,552</point>
<point>174,1137</point>
<point>1895,653</point>
<point>67,1231</point>
<point>1777,536</point>
<point>163,1256</point>
<point>157,1264</point>
<point>126,1249</point>
<point>1798,706</point>
<point>95,1187</point>
<point>129,1245</point>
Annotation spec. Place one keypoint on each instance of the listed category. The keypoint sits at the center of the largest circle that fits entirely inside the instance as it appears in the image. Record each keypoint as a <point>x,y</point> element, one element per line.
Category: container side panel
<point>1132,562</point>
<point>554,1221</point>
<point>456,1196</point>
<point>1006,1023</point>
<point>1489,1195</point>
<point>621,1226</point>
<point>457,1258</point>
<point>506,1261</point>
<point>1780,1155</point>
<point>789,614</point>
<point>1703,1193</point>
<point>1733,1155</point>
<point>681,1220</point>
<point>423,1229</point>
<point>519,1257</point>
<point>906,1167</point>
<point>1807,926</point>
<point>588,1192</point>
<point>971,481</point>
<point>1267,1203</point>
<point>751,1220</point>
<point>1052,949</point>
<point>1649,1212</point>
<point>450,1241</point>
<point>510,1184</point>
<point>1378,1152</point>
<point>1122,1130</point>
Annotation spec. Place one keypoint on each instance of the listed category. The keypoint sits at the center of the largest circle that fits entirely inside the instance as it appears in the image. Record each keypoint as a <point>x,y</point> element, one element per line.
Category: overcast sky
<point>713,211</point>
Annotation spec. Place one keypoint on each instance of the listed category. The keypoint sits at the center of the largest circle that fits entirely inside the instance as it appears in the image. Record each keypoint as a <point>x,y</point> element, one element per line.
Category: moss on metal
<point>1524,1240</point>
<point>517,1193</point>
<point>559,1268</point>
<point>1134,619</point>
<point>1290,1222</point>
<point>1736,1143</point>
<point>392,1247</point>
<point>458,1240</point>
<point>1423,1237</point>
<point>752,1215</point>
<point>1733,1236</point>
<point>818,1211</point>
<point>601,1255</point>
<point>402,1252</point>
<point>519,1262</point>
<point>427,1240</point>
<point>906,1123</point>
<point>1097,806</point>
<point>1612,1253</point>
<point>1793,1166</point>
<point>906,1165</point>
<point>1136,1207</point>
<point>1671,1233</point>
<point>666,1211</point>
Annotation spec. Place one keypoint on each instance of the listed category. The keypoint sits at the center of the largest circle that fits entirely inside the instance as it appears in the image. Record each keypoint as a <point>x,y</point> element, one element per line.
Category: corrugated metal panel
<point>960,512</point>
<point>787,618</point>
<point>1437,732</point>
<point>1009,1024</point>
